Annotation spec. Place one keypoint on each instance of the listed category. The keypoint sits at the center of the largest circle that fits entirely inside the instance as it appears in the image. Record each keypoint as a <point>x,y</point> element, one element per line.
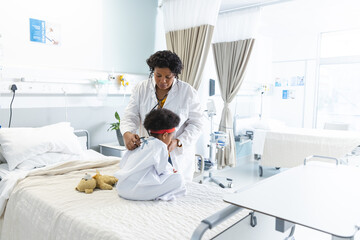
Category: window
<point>339,97</point>
<point>339,79</point>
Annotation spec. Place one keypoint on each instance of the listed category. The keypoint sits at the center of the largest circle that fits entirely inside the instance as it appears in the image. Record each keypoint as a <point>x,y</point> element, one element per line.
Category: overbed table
<point>321,196</point>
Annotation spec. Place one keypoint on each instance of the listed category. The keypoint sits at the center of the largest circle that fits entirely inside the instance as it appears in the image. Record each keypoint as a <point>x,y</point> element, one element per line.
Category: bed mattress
<point>289,147</point>
<point>45,205</point>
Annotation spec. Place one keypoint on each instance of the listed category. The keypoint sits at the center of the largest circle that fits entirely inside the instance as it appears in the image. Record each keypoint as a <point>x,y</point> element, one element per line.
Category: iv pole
<point>261,103</point>
<point>263,89</point>
<point>215,142</point>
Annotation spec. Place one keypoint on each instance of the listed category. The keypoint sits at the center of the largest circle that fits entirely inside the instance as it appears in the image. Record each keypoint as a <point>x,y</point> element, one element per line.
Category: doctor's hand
<point>132,140</point>
<point>172,145</point>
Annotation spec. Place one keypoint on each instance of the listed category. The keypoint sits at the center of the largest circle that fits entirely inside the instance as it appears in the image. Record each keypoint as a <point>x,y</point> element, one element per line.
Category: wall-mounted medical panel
<point>56,80</point>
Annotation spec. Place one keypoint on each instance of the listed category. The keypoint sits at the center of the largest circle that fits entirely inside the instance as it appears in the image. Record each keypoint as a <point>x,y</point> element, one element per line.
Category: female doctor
<point>163,89</point>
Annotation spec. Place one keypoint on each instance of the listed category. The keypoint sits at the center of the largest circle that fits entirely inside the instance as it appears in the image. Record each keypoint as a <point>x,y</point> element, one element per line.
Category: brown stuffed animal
<point>104,182</point>
<point>86,184</point>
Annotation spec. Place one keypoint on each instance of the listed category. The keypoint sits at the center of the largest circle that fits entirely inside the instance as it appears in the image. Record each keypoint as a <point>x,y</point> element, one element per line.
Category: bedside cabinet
<point>112,149</point>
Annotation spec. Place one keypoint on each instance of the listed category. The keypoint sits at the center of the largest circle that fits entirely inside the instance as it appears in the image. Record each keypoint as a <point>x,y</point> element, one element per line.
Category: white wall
<point>61,79</point>
<point>128,34</point>
<point>80,24</point>
<point>94,34</point>
<point>96,38</point>
<point>288,36</point>
<point>292,32</point>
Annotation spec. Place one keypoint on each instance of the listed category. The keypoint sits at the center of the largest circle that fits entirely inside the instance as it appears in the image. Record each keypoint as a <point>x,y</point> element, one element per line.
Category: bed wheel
<point>253,220</point>
<point>260,171</point>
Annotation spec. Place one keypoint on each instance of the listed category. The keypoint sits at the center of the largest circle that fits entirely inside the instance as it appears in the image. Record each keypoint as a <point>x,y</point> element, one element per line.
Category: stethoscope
<point>158,101</point>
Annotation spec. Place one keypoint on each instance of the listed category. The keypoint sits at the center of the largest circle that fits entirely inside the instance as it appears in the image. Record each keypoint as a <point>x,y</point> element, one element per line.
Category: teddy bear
<point>86,184</point>
<point>104,182</point>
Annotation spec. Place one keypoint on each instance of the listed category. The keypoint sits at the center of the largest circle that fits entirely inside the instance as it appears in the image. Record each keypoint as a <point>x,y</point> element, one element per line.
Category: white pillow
<point>46,159</point>
<point>268,124</point>
<point>20,144</point>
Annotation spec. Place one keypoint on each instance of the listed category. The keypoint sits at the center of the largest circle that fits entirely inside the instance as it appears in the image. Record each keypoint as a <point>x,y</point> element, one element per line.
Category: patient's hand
<point>132,140</point>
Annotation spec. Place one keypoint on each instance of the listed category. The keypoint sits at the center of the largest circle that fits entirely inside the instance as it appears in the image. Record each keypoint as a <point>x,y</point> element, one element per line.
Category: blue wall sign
<point>37,31</point>
<point>285,94</point>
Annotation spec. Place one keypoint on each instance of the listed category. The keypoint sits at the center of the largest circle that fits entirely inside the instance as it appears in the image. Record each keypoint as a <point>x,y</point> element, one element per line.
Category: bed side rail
<point>83,132</point>
<point>319,156</point>
<point>214,220</point>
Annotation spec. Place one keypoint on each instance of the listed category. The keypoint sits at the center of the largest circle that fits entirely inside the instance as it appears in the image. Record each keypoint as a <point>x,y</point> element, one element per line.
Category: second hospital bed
<point>287,147</point>
<point>276,145</point>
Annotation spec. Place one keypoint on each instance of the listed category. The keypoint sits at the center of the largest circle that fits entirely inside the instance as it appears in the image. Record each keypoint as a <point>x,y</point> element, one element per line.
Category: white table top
<point>114,145</point>
<point>321,196</point>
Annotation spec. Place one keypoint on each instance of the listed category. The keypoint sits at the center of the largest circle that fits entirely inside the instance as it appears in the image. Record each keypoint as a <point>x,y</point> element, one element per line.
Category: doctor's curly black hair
<point>165,59</point>
<point>160,119</point>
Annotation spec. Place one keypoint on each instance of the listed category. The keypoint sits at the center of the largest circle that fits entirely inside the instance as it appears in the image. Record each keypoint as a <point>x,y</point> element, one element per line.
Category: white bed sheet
<point>259,141</point>
<point>48,207</point>
<point>11,178</point>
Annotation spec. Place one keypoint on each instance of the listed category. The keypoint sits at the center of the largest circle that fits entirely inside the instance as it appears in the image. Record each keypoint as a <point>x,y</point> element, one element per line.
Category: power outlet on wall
<point>13,87</point>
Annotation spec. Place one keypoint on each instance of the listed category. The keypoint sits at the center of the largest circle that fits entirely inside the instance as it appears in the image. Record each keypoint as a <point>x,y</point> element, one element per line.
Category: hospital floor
<point>244,174</point>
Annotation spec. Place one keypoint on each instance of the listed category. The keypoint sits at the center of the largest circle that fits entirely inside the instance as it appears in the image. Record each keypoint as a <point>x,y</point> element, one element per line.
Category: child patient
<point>145,173</point>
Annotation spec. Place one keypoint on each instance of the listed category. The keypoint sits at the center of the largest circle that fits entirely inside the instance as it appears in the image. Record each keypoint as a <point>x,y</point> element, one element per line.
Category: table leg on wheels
<point>291,235</point>
<point>341,238</point>
<point>282,226</point>
<point>264,229</point>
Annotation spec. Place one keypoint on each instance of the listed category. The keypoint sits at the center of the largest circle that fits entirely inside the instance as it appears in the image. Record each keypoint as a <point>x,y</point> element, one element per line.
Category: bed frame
<point>287,148</point>
<point>81,133</point>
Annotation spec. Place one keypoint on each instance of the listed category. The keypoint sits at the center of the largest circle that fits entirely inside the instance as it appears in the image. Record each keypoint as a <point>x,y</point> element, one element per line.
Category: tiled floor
<point>244,174</point>
<point>247,173</point>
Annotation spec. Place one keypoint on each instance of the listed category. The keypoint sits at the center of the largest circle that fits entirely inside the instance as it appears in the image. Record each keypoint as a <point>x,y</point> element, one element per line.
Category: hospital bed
<point>288,147</point>
<point>316,195</point>
<point>43,204</point>
<point>276,145</point>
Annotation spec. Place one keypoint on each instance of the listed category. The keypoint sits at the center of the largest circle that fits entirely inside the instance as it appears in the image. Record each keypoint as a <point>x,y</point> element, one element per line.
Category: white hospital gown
<point>146,174</point>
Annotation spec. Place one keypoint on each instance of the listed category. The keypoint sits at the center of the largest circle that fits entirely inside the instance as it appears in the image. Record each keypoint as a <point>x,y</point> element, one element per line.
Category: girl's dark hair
<point>160,119</point>
<point>165,59</point>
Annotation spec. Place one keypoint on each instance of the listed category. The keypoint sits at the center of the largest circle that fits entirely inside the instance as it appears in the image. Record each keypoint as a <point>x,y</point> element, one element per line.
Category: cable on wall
<point>13,89</point>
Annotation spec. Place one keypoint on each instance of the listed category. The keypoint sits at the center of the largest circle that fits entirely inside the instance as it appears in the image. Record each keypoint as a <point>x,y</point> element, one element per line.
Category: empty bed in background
<point>284,147</point>
<point>288,147</point>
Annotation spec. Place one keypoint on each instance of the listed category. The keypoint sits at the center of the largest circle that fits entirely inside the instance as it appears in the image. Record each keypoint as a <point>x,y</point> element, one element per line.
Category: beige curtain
<point>192,46</point>
<point>231,59</point>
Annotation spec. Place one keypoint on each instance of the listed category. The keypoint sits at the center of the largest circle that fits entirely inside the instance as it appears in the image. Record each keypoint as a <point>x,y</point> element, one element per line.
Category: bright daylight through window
<point>339,79</point>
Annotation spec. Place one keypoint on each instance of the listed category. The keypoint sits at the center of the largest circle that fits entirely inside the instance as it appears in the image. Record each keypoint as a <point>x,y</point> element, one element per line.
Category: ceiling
<point>231,4</point>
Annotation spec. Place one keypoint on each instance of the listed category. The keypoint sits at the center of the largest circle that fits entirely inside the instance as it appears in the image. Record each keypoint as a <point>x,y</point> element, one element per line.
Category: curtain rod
<point>254,5</point>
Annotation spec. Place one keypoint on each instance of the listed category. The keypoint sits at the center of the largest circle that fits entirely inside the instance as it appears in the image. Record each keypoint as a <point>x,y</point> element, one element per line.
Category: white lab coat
<point>184,101</point>
<point>146,174</point>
